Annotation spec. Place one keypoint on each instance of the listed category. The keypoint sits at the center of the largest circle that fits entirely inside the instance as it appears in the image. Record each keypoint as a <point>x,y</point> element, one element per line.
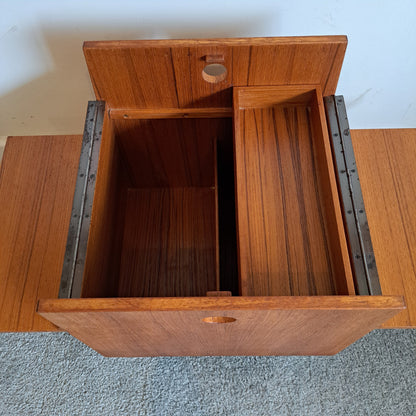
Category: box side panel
<point>37,181</point>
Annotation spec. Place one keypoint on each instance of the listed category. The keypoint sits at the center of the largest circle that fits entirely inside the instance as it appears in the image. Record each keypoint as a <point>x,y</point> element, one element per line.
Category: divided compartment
<point>290,232</point>
<point>155,221</point>
<point>169,221</point>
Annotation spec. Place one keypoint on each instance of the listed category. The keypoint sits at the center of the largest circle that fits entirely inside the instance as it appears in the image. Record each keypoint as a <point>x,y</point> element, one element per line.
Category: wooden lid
<point>169,73</point>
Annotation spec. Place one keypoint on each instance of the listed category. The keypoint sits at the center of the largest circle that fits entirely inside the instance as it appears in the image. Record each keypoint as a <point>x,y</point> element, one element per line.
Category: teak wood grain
<point>285,247</point>
<point>102,263</point>
<point>263,325</point>
<point>37,182</point>
<point>386,161</point>
<point>160,113</point>
<point>168,73</point>
<point>170,243</point>
<point>327,186</point>
<point>169,152</point>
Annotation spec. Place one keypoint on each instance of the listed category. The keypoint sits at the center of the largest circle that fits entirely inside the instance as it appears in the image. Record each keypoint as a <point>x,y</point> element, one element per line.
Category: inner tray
<point>290,232</point>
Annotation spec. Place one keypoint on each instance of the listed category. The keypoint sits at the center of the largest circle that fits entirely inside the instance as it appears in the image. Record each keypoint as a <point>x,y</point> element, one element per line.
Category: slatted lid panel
<point>168,73</point>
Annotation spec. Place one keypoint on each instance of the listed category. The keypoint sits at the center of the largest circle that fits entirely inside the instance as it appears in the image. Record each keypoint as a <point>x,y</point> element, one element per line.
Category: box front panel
<point>132,327</point>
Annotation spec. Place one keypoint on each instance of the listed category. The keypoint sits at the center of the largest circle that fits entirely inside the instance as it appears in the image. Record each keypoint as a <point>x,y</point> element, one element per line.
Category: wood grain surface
<point>168,73</point>
<point>386,161</point>
<point>284,245</point>
<point>327,186</point>
<point>261,97</point>
<point>159,113</point>
<point>102,263</point>
<point>37,182</point>
<point>262,326</point>
<point>170,153</point>
<point>170,243</point>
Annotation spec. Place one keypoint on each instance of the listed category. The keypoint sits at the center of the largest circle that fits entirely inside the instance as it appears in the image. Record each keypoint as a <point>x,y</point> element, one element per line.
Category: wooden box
<point>207,218</point>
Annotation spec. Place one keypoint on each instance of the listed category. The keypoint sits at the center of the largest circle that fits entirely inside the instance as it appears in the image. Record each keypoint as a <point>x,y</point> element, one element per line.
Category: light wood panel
<point>158,113</point>
<point>284,245</point>
<point>37,182</point>
<point>386,161</point>
<point>170,243</point>
<point>330,198</point>
<point>168,73</point>
<point>170,153</point>
<point>262,326</point>
<point>271,96</point>
<point>102,263</point>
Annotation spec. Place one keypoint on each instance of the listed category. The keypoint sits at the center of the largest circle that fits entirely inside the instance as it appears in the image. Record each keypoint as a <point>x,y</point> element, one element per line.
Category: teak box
<point>209,214</point>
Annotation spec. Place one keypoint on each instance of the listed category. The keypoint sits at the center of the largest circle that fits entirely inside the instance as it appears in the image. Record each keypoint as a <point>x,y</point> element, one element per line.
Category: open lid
<point>170,73</point>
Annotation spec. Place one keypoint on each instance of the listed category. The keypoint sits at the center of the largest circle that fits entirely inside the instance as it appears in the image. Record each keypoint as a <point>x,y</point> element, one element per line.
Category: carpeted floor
<point>54,374</point>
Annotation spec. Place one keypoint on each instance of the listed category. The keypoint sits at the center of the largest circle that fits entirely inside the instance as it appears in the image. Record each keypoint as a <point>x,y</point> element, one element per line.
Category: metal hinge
<point>76,246</point>
<point>355,219</point>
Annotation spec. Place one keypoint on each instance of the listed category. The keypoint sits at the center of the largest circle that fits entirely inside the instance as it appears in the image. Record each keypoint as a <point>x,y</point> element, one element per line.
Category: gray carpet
<point>54,374</point>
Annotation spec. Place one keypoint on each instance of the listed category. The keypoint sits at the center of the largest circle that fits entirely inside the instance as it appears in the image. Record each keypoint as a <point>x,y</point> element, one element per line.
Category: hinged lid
<point>200,73</point>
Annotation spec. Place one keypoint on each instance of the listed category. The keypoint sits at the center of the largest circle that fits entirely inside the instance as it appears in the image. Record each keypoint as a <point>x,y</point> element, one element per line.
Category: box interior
<point>176,209</point>
<point>172,227</point>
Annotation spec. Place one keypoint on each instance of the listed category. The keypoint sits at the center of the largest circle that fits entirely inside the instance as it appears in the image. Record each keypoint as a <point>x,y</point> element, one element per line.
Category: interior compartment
<point>163,214</point>
<point>166,205</point>
<point>290,233</point>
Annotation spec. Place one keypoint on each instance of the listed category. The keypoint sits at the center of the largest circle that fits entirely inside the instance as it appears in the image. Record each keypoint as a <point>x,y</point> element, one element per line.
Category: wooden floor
<point>281,221</point>
<point>386,161</point>
<point>170,241</point>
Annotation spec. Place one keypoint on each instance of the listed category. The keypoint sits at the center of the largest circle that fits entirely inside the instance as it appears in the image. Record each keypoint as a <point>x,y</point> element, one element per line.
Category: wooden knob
<point>214,73</point>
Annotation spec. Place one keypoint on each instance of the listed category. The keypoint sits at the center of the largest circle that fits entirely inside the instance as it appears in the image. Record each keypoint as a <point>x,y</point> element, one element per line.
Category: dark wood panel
<point>168,73</point>
<point>284,244</point>
<point>37,182</point>
<point>171,153</point>
<point>102,262</point>
<point>286,251</point>
<point>227,213</point>
<point>169,246</point>
<point>261,326</point>
<point>386,161</point>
